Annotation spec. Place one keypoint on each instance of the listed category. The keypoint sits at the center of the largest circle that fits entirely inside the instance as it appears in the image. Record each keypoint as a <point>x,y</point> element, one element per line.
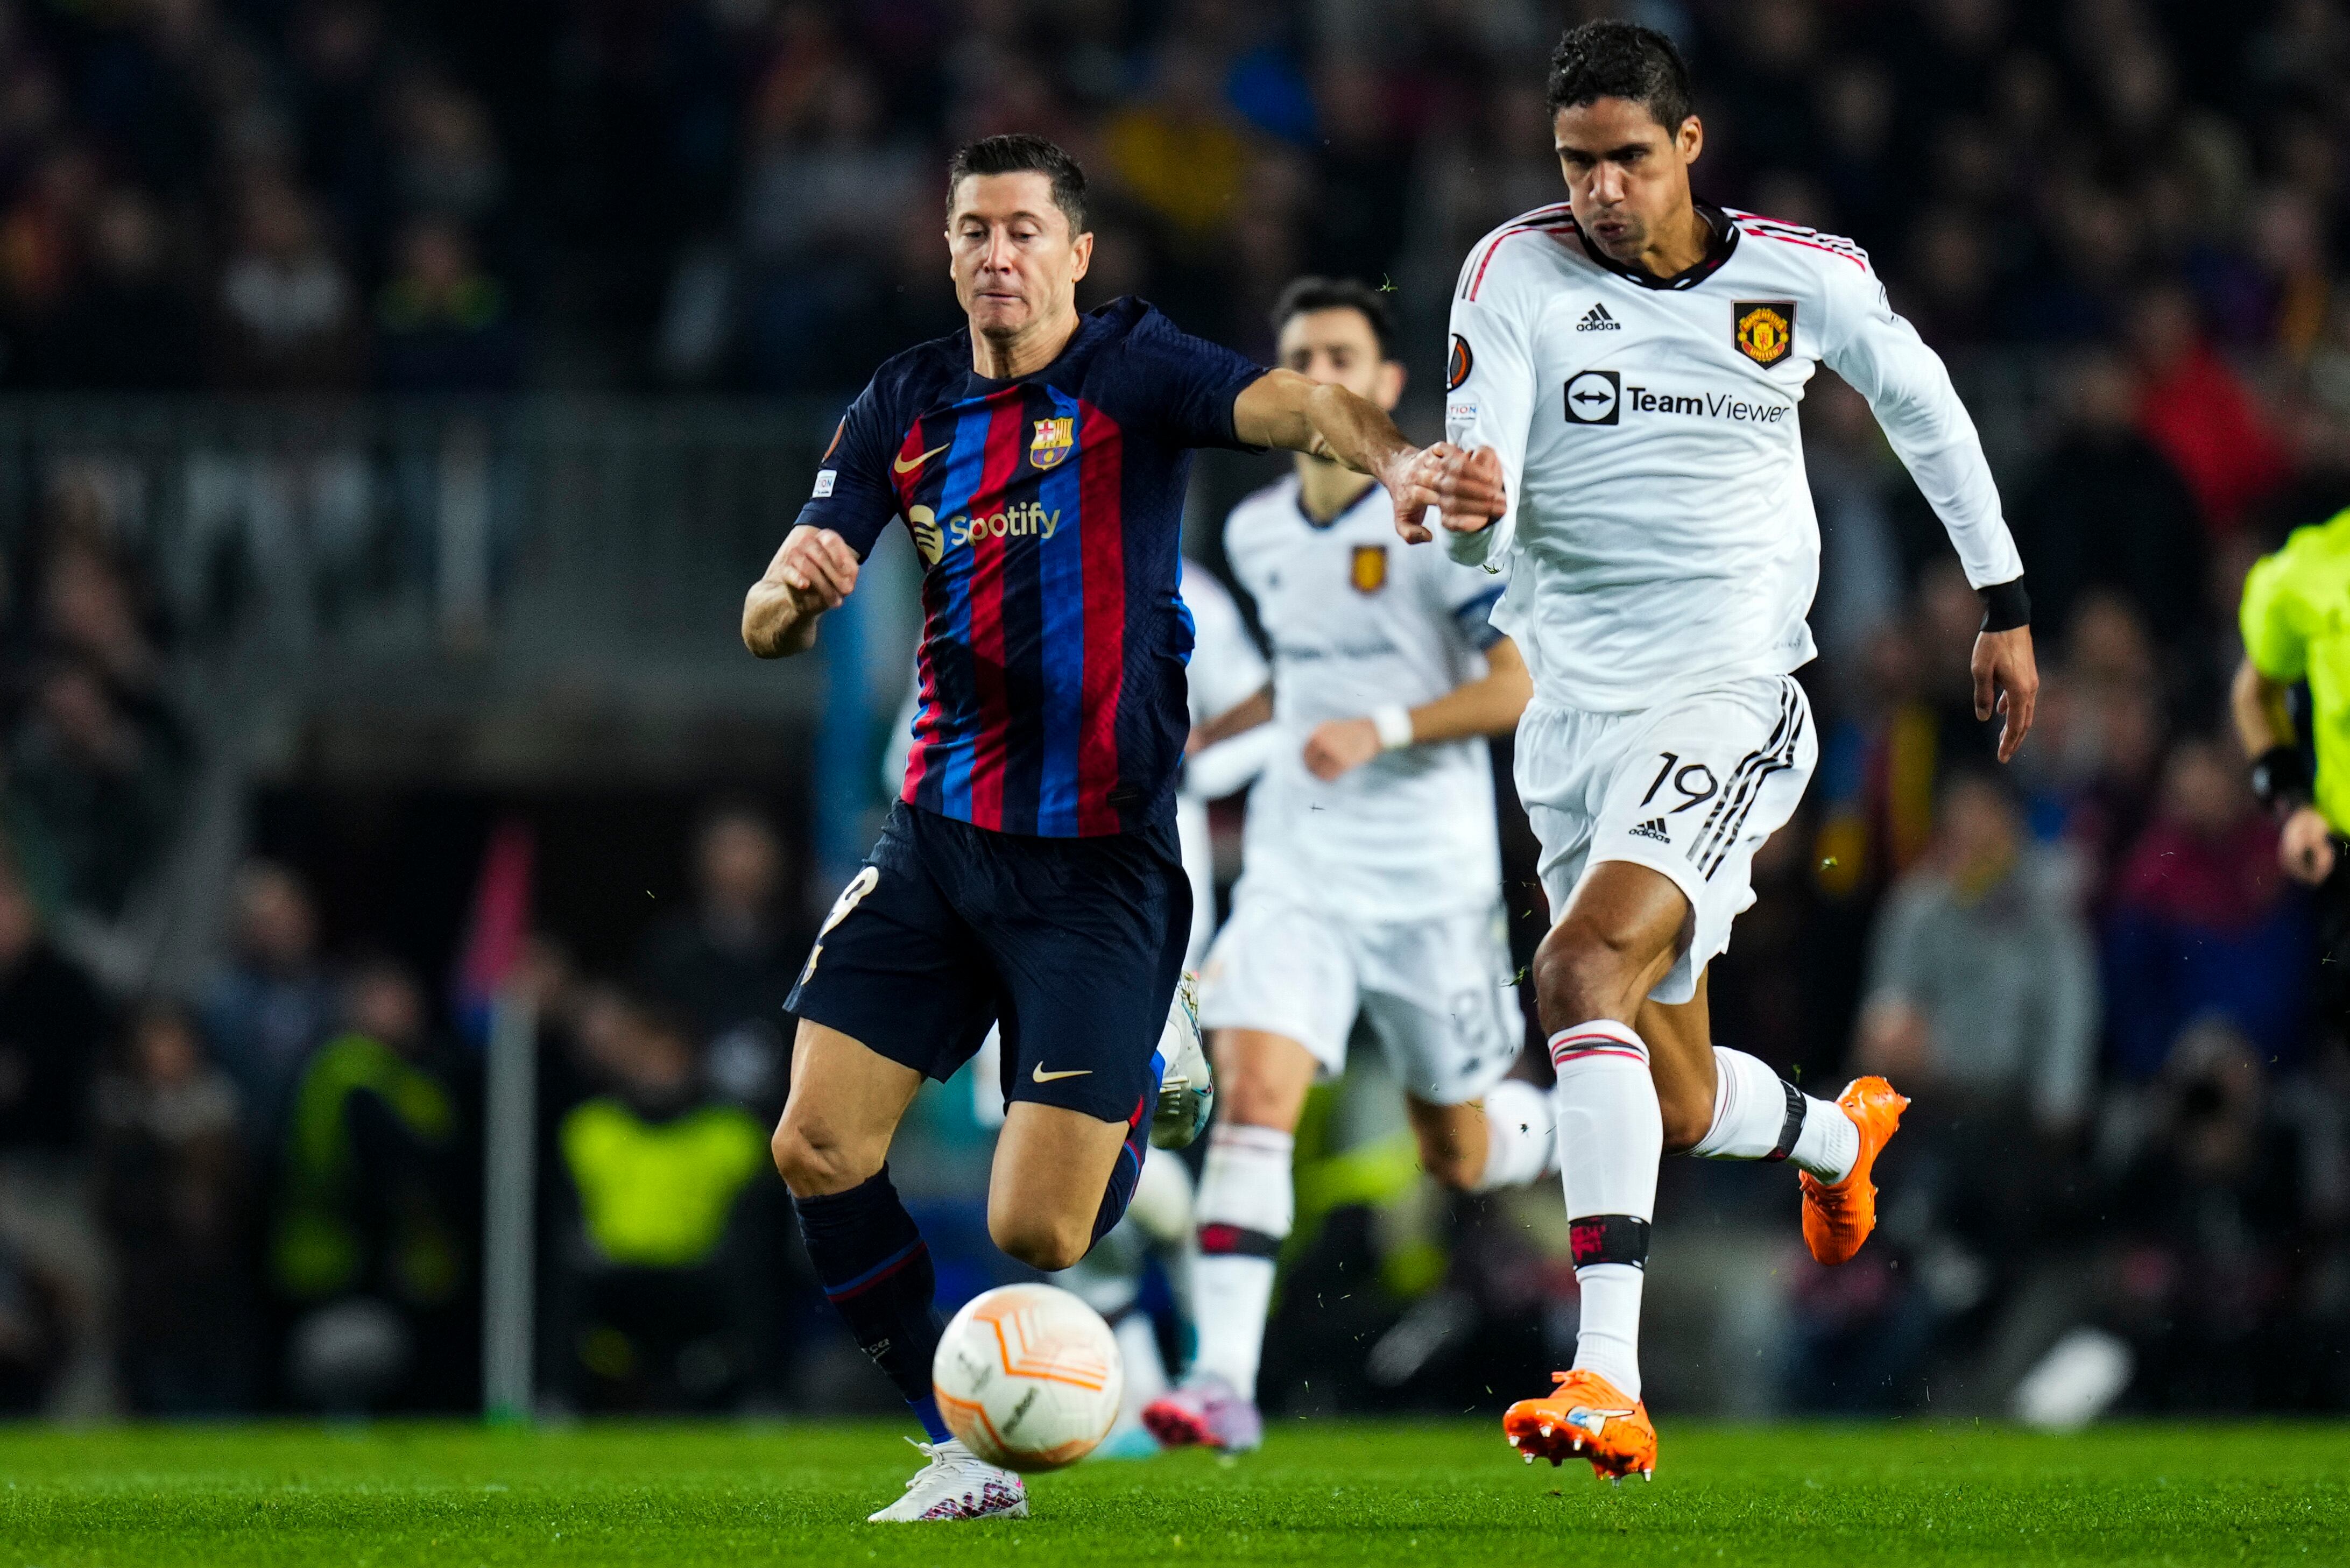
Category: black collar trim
<point>1725,242</point>
<point>1298,501</point>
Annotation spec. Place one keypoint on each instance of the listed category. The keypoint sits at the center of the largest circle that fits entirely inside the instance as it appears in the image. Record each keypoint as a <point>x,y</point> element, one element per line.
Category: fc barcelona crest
<point>1055,439</point>
<point>1369,571</point>
<point>1763,329</point>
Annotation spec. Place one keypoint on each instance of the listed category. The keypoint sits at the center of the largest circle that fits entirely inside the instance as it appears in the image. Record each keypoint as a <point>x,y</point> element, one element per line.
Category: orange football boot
<point>1585,1416</point>
<point>1838,1220</point>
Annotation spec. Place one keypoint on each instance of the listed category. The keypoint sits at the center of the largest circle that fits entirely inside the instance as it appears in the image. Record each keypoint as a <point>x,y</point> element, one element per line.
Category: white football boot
<point>1186,1091</point>
<point>956,1484</point>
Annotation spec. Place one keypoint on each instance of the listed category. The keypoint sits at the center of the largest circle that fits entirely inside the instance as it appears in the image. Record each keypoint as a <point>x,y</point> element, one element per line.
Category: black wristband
<point>2006,605</point>
<point>2281,779</point>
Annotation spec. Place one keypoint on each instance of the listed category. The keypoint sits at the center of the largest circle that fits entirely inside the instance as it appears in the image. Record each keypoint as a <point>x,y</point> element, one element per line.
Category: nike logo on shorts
<point>1042,1077</point>
<point>907,465</point>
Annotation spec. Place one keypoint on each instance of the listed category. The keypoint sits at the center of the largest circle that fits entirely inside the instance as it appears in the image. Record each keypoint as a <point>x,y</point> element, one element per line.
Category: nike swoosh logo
<point>907,465</point>
<point>1042,1077</point>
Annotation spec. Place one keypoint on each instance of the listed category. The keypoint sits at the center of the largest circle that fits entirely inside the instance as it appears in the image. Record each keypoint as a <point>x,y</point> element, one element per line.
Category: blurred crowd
<point>2131,1075</point>
<point>268,1195</point>
<point>331,196</point>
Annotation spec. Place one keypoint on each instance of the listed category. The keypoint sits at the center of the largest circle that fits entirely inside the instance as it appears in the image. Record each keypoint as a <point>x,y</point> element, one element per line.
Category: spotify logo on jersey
<point>1595,398</point>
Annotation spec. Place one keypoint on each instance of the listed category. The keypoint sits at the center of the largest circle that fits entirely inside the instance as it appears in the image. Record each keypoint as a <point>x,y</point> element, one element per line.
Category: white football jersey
<point>1661,536</point>
<point>1358,619</point>
<point>1225,671</point>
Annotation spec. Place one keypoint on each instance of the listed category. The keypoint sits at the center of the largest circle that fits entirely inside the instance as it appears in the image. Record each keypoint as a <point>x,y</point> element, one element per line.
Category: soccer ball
<point>1029,1378</point>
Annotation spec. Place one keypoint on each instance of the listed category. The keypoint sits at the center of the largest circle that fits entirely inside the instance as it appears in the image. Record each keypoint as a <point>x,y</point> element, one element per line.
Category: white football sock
<point>1611,1134</point>
<point>1754,1110</point>
<point>1521,1135</point>
<point>1829,1142</point>
<point>1245,1205</point>
<point>1146,1374</point>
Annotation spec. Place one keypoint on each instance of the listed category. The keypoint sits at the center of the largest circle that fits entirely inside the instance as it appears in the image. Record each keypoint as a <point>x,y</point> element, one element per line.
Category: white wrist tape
<point>1393,723</point>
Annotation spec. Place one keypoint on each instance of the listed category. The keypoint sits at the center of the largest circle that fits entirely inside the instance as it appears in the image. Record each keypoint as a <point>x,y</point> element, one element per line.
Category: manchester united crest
<point>1055,439</point>
<point>1369,571</point>
<point>1763,329</point>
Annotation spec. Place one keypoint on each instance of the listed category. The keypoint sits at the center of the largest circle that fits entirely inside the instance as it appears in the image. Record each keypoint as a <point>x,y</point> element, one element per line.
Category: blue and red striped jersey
<point>1049,515</point>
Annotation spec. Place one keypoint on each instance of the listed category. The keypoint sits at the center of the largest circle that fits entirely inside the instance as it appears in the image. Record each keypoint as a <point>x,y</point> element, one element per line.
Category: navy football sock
<point>877,1271</point>
<point>1124,1176</point>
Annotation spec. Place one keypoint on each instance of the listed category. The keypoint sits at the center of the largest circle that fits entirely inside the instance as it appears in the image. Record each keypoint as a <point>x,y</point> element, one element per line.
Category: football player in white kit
<point>1372,882</point>
<point>1622,439</point>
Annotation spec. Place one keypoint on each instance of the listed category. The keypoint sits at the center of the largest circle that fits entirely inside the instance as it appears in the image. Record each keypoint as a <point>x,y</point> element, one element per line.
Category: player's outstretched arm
<point>813,571</point>
<point>1488,705</point>
<point>2007,682</point>
<point>1283,409</point>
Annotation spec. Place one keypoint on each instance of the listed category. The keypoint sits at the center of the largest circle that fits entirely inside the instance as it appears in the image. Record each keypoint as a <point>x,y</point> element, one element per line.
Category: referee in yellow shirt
<point>2296,626</point>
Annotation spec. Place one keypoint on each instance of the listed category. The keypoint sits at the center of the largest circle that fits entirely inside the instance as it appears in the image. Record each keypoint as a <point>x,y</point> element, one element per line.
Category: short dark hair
<point>1018,152</point>
<point>1621,59</point>
<point>1309,293</point>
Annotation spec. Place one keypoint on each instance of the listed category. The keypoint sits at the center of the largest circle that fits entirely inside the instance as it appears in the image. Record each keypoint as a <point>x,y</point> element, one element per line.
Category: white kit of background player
<point>1371,886</point>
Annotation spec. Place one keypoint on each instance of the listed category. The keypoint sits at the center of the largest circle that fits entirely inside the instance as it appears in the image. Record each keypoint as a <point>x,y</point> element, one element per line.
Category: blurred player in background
<point>1622,436</point>
<point>1373,882</point>
<point>1029,871</point>
<point>2292,626</point>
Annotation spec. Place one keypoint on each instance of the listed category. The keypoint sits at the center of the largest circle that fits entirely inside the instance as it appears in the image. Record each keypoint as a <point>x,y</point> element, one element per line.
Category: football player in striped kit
<point>1622,439</point>
<point>1028,873</point>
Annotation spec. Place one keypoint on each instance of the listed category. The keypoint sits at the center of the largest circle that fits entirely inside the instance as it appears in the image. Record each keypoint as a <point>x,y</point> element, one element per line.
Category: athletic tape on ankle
<point>1792,1127</point>
<point>1608,1238</point>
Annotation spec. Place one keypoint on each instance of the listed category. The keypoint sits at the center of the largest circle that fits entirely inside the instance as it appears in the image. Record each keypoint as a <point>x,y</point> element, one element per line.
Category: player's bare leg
<point>1506,1140</point>
<point>1680,1038</point>
<point>1044,1190</point>
<point>844,1106</point>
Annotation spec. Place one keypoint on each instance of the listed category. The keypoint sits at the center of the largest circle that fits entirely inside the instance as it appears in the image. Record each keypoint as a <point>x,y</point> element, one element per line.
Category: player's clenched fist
<point>1339,746</point>
<point>1410,481</point>
<point>1470,490</point>
<point>812,571</point>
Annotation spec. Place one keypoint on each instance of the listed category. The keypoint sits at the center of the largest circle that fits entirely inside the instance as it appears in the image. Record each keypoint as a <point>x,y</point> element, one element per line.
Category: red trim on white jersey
<point>1541,220</point>
<point>1755,223</point>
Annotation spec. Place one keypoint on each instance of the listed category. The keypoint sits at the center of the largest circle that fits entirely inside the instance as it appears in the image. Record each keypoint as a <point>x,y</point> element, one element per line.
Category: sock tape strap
<point>1608,1238</point>
<point>1792,1127</point>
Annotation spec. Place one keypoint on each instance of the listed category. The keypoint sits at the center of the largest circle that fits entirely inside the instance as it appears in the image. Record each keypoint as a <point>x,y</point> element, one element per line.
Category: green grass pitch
<point>1352,1493</point>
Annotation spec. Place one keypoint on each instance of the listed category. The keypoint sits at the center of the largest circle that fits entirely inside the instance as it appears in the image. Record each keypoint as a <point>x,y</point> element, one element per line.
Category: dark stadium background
<point>396,399</point>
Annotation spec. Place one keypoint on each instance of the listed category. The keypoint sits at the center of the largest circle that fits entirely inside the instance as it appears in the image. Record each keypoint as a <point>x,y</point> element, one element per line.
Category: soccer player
<point>1028,873</point>
<point>1373,879</point>
<point>1622,436</point>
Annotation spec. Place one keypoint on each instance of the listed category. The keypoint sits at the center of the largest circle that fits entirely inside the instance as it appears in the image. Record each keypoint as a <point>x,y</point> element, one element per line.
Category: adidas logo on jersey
<point>1597,319</point>
<point>1653,828</point>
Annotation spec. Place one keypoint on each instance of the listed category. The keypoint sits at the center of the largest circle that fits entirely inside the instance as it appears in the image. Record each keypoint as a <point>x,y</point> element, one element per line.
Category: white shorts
<point>1690,788</point>
<point>1438,993</point>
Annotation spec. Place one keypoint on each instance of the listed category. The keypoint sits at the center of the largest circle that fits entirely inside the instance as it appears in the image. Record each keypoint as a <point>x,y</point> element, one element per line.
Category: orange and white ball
<point>1028,1377</point>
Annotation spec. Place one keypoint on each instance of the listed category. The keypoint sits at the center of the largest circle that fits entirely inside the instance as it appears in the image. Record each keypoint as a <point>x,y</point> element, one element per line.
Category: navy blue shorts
<point>1073,945</point>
